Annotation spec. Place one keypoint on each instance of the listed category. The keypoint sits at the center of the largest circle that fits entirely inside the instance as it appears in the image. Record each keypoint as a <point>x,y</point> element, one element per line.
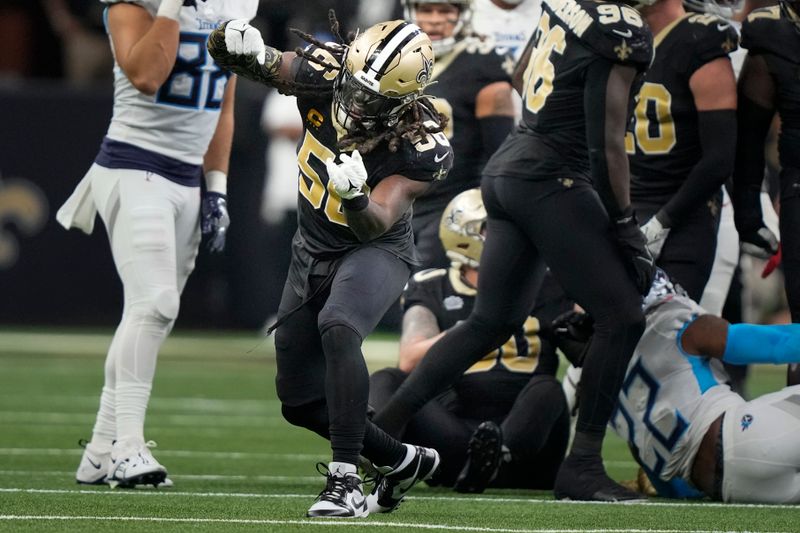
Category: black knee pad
<point>313,416</point>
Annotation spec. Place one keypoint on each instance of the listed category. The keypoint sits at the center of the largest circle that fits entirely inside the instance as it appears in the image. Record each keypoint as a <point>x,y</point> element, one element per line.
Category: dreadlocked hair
<point>336,49</point>
<point>410,126</point>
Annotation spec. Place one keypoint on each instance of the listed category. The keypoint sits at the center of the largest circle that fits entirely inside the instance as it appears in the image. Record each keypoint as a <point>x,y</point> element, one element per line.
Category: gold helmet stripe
<point>390,49</point>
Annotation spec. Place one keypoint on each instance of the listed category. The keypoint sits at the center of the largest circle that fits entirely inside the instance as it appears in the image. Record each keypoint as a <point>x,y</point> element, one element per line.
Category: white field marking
<point>203,405</point>
<point>180,344</point>
<point>173,453</point>
<point>341,522</point>
<point>188,477</point>
<point>193,421</point>
<point>469,499</point>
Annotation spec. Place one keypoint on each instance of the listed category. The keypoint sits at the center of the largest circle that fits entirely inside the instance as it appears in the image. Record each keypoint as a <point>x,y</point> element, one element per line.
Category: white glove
<point>243,39</point>
<point>656,235</point>
<point>349,176</point>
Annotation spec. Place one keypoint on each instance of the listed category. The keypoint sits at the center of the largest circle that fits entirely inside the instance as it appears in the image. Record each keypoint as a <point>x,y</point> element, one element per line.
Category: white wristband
<point>217,181</point>
<point>170,9</point>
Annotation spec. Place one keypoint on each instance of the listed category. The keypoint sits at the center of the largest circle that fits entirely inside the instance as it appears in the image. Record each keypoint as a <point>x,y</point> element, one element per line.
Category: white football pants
<point>761,442</point>
<point>153,228</point>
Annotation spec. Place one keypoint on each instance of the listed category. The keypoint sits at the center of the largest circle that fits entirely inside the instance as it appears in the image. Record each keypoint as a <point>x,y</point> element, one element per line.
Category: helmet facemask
<point>358,107</point>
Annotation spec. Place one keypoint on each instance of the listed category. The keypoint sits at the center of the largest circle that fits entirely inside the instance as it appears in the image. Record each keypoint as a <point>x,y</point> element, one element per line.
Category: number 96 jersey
<point>573,37</point>
<point>180,119</point>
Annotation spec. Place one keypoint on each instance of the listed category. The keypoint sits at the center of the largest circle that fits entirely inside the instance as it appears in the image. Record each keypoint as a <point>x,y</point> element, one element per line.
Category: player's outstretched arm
<point>145,48</point>
<point>742,344</point>
<point>238,47</point>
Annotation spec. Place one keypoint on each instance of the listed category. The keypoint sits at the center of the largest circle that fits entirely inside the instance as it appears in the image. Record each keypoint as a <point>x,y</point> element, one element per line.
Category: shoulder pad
<point>429,158</point>
<point>712,37</point>
<point>619,33</point>
<point>306,71</point>
<point>767,30</point>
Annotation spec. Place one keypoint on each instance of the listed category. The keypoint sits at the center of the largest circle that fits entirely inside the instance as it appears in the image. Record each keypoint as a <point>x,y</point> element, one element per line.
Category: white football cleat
<point>342,496</point>
<point>94,464</point>
<point>132,464</point>
<point>393,484</point>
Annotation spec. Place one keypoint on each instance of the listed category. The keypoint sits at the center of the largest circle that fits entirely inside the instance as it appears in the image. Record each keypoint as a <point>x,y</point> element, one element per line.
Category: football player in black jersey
<point>473,89</point>
<point>683,139</point>
<point>354,250</point>
<point>557,192</point>
<point>768,84</point>
<point>505,421</point>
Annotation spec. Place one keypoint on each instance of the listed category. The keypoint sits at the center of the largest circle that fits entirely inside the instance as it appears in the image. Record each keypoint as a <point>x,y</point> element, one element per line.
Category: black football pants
<point>562,223</point>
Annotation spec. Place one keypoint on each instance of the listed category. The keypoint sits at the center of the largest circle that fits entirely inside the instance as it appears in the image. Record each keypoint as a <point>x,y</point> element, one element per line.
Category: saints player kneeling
<point>690,433</point>
<point>504,423</point>
<point>362,104</point>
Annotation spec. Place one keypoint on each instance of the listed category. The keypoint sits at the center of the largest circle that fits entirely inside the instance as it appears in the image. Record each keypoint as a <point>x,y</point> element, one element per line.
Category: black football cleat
<point>585,479</point>
<point>483,459</point>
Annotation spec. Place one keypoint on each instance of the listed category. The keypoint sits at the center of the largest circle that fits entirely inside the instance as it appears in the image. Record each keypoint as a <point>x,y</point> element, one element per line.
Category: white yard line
<point>472,499</point>
<point>340,522</point>
<point>172,453</point>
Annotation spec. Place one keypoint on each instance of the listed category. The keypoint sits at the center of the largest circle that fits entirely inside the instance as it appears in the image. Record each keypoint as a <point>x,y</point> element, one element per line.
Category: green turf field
<point>237,466</point>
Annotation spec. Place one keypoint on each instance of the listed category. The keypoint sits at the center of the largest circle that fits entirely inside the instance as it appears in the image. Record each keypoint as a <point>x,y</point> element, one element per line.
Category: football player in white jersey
<point>510,23</point>
<point>172,126</point>
<point>691,434</point>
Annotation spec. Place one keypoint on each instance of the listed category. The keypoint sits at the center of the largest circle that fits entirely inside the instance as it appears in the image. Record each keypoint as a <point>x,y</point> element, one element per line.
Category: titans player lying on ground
<point>354,249</point>
<point>691,434</point>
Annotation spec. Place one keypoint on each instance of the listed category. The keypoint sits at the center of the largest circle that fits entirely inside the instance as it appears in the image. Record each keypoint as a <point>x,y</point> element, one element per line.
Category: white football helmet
<point>461,228</point>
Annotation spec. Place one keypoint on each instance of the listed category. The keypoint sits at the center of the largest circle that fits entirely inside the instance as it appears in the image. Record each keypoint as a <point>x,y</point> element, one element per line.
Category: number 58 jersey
<point>180,119</point>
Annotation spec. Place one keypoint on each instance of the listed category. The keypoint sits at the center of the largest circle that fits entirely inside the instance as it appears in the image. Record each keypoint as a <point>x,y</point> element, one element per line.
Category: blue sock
<point>751,343</point>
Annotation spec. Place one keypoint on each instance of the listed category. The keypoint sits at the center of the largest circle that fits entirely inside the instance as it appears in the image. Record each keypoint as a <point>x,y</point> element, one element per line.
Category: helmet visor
<point>359,103</point>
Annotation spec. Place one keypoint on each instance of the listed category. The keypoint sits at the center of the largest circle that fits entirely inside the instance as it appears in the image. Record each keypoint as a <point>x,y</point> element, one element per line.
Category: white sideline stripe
<point>209,477</point>
<point>174,453</point>
<point>346,523</point>
<point>168,492</point>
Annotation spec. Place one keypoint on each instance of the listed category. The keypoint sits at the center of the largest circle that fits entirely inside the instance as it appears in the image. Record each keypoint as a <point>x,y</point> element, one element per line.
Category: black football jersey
<point>768,33</point>
<point>458,78</point>
<point>663,141</point>
<point>445,294</point>
<point>323,227</point>
<point>550,141</point>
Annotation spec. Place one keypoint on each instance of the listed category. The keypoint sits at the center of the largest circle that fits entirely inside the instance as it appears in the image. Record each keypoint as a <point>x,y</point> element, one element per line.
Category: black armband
<point>717,135</point>
<point>494,130</point>
<point>359,203</point>
<point>246,66</point>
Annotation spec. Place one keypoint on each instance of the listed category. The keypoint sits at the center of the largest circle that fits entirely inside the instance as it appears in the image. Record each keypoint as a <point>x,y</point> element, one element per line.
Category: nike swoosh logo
<point>723,26</point>
<point>96,465</point>
<point>627,33</point>
<point>438,159</point>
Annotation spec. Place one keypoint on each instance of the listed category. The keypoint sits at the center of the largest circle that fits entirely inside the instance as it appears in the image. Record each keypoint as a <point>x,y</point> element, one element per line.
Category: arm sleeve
<point>717,133</point>
<point>603,159</point>
<point>749,168</point>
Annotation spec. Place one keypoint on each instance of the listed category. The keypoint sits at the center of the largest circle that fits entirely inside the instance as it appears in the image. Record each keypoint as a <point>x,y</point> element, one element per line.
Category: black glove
<point>759,242</point>
<point>571,332</point>
<point>633,243</point>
